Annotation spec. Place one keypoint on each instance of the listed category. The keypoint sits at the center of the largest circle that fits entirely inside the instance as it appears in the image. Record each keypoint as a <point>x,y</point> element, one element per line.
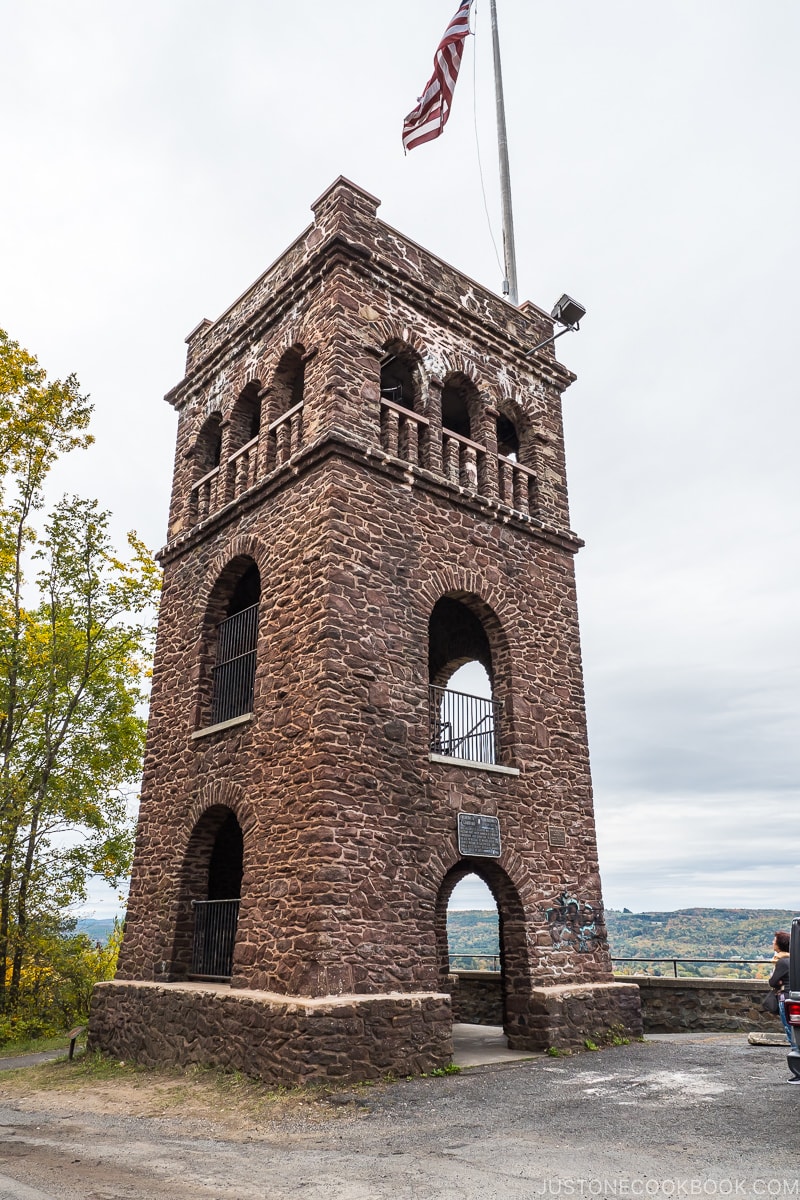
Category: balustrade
<point>243,468</point>
<point>404,434</point>
<point>516,485</point>
<point>463,460</point>
<point>205,495</point>
<point>285,436</point>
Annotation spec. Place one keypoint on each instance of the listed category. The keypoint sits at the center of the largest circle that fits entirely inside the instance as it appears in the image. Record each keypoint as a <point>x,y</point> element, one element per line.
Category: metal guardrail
<point>463,726</point>
<point>215,924</point>
<point>457,960</point>
<point>235,670</point>
<point>715,961</point>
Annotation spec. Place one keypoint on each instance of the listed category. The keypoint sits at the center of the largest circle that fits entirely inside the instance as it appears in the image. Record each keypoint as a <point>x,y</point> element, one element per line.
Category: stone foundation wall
<point>476,997</point>
<point>278,1039</point>
<point>564,1016</point>
<point>568,1015</point>
<point>716,1005</point>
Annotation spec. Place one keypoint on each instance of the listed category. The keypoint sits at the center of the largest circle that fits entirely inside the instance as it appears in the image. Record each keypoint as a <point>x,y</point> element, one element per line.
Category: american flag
<point>429,118</point>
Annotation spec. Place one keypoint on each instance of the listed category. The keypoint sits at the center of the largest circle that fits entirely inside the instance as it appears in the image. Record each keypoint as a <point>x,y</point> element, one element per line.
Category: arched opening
<point>481,940</point>
<point>463,710</point>
<point>457,396</point>
<point>473,929</point>
<point>400,377</point>
<point>208,447</point>
<point>245,417</point>
<point>229,645</point>
<point>210,895</point>
<point>289,382</point>
<point>508,443</point>
<point>237,639</point>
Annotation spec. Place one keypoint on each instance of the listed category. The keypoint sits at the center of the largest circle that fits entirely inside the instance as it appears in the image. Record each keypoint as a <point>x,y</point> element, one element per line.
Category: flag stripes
<point>429,117</point>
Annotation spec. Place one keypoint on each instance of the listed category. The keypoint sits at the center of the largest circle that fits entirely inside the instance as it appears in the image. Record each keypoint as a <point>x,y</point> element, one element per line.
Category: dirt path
<point>655,1115</point>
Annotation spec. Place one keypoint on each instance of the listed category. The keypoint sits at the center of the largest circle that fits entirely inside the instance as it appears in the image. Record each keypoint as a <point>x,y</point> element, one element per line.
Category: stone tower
<point>369,493</point>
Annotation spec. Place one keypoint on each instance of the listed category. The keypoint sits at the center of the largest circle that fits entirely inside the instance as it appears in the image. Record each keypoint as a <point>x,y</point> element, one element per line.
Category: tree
<point>76,626</point>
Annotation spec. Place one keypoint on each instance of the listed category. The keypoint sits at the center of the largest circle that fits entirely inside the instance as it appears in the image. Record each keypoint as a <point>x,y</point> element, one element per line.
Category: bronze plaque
<point>478,836</point>
<point>556,835</point>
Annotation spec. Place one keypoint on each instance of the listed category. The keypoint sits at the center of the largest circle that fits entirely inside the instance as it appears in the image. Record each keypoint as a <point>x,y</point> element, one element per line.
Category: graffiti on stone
<point>574,924</point>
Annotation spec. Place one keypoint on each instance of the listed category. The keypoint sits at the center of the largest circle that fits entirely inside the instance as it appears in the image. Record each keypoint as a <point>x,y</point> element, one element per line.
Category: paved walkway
<point>31,1060</point>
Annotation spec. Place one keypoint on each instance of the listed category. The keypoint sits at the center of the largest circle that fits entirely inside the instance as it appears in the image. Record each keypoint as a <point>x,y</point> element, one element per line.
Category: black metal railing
<point>465,962</point>
<point>235,670</point>
<point>215,924</point>
<point>717,962</point>
<point>462,726</point>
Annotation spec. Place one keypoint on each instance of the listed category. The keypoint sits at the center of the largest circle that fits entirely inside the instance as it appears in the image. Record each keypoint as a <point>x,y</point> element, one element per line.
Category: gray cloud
<point>161,156</point>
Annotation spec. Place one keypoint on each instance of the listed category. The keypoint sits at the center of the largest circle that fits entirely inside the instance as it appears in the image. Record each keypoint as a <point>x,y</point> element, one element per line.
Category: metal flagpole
<point>509,250</point>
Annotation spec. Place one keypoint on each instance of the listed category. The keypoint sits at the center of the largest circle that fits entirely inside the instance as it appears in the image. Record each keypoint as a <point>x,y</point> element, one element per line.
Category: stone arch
<point>514,958</point>
<point>207,447</point>
<point>213,860</point>
<point>228,651</point>
<point>462,629</point>
<point>287,380</point>
<point>402,378</point>
<point>245,416</point>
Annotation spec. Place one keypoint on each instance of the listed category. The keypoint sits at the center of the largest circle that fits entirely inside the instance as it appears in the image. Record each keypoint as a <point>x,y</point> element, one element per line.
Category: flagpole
<point>509,250</point>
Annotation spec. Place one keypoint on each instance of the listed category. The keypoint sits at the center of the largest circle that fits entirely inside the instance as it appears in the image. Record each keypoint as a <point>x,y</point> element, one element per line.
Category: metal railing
<point>215,924</point>
<point>457,962</point>
<point>676,962</point>
<point>235,669</point>
<point>462,726</point>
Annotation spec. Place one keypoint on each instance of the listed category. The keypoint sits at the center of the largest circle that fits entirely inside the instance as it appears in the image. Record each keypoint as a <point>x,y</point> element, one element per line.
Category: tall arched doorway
<point>506,975</point>
<point>211,888</point>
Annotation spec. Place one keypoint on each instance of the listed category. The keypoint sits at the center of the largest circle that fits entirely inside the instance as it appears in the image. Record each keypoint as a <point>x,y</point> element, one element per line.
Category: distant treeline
<point>727,933</point>
<point>98,931</point>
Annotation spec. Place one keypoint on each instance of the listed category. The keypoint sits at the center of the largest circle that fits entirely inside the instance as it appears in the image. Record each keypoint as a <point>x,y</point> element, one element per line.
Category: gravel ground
<point>695,1117</point>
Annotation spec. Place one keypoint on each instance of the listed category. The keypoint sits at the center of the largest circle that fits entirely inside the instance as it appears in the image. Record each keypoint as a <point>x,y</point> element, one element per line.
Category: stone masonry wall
<point>684,1005</point>
<point>279,1041</point>
<point>668,1005</point>
<point>476,997</point>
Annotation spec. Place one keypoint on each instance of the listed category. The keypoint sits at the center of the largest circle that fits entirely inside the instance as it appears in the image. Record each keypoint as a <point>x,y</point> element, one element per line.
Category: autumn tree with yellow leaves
<point>76,626</point>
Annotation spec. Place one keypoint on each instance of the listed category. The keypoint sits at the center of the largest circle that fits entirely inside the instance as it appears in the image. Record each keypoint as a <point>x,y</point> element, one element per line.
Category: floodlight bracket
<point>566,312</point>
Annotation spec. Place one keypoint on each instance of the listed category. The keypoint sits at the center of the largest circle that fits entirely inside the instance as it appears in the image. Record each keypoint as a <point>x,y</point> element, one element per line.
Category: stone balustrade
<point>285,437</point>
<point>404,435</point>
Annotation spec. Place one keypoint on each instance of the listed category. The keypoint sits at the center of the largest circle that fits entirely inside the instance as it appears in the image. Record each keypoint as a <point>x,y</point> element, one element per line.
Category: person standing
<point>779,977</point>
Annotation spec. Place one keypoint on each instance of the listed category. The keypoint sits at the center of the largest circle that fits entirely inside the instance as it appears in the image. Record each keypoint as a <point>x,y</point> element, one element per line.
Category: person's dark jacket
<point>777,980</point>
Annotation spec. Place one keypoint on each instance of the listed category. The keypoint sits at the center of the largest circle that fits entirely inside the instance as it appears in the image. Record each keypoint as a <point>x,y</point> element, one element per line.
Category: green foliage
<point>590,1045</point>
<point>451,1069</point>
<point>554,1052</point>
<point>728,933</point>
<point>473,932</point>
<point>76,624</point>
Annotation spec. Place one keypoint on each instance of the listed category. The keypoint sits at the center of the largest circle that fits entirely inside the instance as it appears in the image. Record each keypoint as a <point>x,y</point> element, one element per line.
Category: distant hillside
<point>696,933</point>
<point>688,933</point>
<point>471,932</point>
<point>98,931</point>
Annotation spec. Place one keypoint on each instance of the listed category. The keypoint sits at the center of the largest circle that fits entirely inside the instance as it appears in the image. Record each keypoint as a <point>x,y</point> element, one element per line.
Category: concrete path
<point>30,1060</point>
<point>481,1045</point>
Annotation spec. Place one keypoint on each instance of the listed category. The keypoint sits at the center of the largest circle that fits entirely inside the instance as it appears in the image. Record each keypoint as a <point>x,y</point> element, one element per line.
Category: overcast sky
<point>159,156</point>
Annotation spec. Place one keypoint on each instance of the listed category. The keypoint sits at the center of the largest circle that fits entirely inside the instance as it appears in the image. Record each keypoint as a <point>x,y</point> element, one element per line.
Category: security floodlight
<point>566,312</point>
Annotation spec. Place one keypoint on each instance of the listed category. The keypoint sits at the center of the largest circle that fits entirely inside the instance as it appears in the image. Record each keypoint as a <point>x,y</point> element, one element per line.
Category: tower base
<point>280,1039</point>
<point>569,1016</point>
